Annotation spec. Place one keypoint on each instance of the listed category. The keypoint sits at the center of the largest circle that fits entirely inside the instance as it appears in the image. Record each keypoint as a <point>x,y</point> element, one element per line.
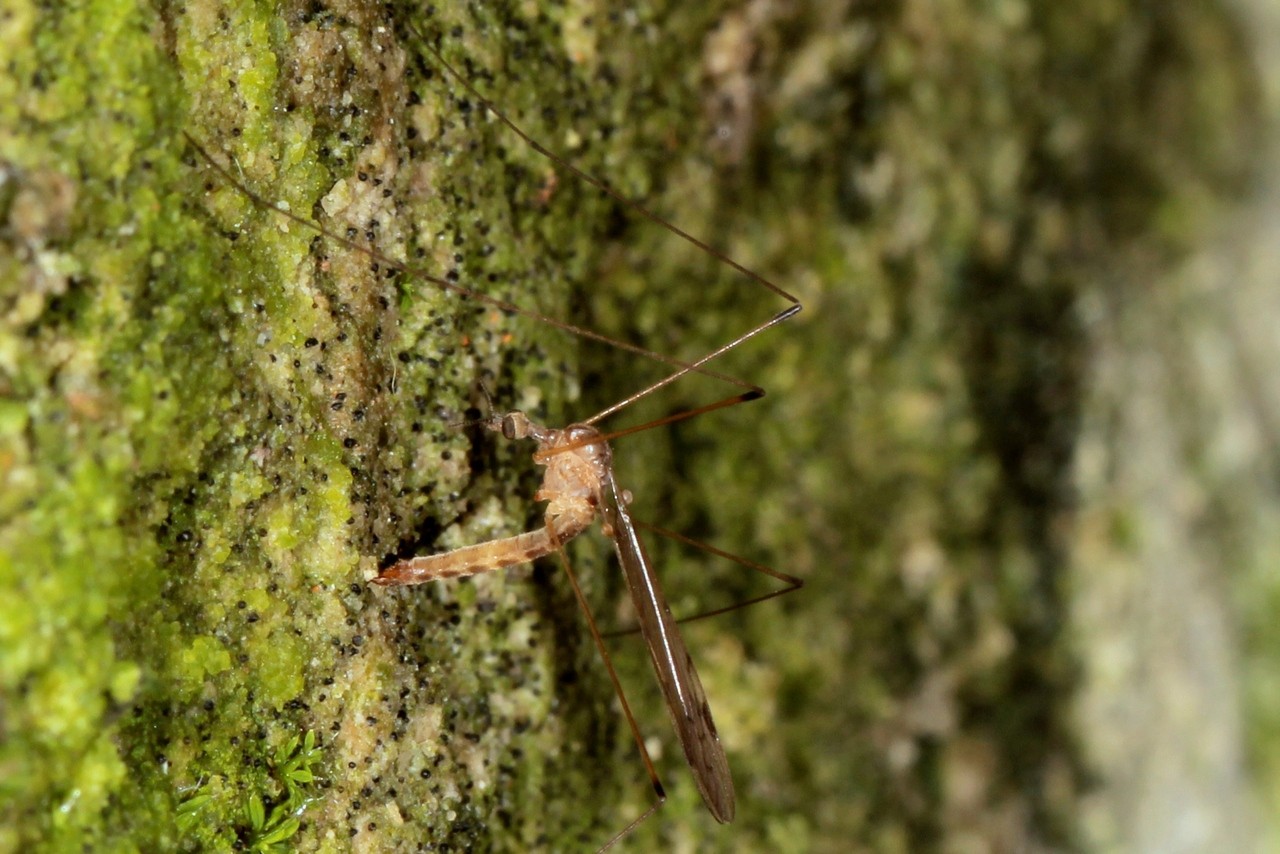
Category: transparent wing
<point>686,700</point>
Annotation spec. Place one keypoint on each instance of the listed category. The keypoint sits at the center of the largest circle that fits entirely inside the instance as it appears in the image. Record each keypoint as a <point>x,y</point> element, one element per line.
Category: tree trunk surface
<point>1012,443</point>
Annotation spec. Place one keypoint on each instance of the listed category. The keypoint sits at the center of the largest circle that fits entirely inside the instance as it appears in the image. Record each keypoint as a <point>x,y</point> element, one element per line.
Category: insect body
<point>579,483</point>
<point>573,485</point>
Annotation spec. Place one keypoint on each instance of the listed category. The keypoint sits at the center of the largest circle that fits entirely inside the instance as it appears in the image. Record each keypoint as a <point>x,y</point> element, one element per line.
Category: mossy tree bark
<point>217,423</point>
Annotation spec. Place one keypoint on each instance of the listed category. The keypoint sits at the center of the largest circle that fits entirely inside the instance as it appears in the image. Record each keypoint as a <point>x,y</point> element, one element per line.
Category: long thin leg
<point>698,366</point>
<point>496,554</point>
<point>683,415</point>
<point>754,391</point>
<point>594,181</point>
<point>793,583</point>
<point>598,639</point>
<point>467,293</point>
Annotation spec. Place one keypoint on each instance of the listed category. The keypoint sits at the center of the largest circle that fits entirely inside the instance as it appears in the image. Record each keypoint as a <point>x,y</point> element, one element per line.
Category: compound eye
<point>508,426</point>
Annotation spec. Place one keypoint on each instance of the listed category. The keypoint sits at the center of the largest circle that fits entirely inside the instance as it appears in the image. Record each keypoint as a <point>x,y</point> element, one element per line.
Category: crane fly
<point>579,485</point>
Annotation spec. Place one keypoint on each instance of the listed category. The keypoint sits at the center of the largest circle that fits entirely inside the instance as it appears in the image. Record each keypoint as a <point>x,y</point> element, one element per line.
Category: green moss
<point>215,426</point>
